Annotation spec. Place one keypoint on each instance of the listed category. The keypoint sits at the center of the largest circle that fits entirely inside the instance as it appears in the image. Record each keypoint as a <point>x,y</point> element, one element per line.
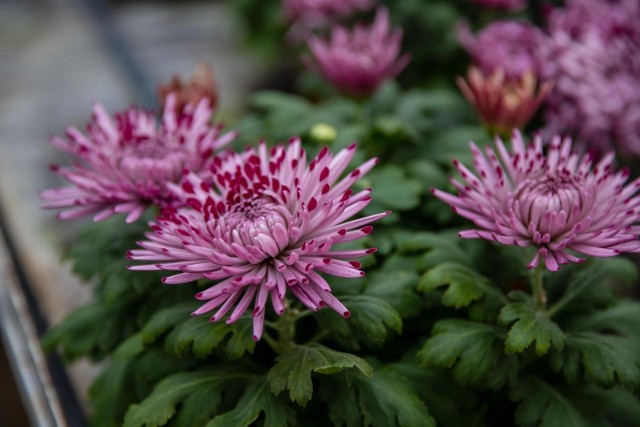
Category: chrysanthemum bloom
<point>357,62</point>
<point>201,85</point>
<point>593,56</point>
<point>508,5</point>
<point>267,224</point>
<point>503,105</point>
<point>512,46</point>
<point>305,16</point>
<point>320,10</point>
<point>125,163</point>
<point>559,203</point>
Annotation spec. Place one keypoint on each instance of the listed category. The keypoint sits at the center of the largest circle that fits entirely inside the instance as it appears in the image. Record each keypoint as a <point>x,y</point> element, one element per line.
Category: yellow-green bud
<point>323,133</point>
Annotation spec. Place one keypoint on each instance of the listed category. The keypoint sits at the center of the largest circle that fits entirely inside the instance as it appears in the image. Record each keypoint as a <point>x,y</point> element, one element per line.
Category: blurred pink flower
<point>321,10</point>
<point>508,5</point>
<point>124,163</point>
<point>305,16</point>
<point>266,224</point>
<point>503,105</point>
<point>559,203</point>
<point>357,61</point>
<point>202,84</point>
<point>593,56</point>
<point>512,46</point>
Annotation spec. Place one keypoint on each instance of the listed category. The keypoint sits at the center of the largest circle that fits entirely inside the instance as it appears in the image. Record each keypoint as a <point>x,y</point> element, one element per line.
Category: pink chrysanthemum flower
<point>512,46</point>
<point>124,163</point>
<point>321,10</point>
<point>560,203</point>
<point>357,62</point>
<point>266,224</point>
<point>593,56</point>
<point>508,5</point>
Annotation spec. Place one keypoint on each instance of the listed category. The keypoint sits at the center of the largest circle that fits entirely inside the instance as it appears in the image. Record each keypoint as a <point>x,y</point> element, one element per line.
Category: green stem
<point>537,285</point>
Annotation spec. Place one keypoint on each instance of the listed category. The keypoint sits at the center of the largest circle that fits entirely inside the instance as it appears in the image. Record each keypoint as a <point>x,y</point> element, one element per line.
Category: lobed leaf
<point>473,350</point>
<point>257,399</point>
<point>530,325</point>
<point>542,405</point>
<point>293,369</point>
<point>160,406</point>
<point>606,360</point>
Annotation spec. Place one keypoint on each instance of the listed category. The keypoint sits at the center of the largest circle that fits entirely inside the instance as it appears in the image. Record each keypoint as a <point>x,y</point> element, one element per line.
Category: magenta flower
<point>323,10</point>
<point>593,56</point>
<point>357,62</point>
<point>508,5</point>
<point>559,203</point>
<point>512,46</point>
<point>266,224</point>
<point>125,163</point>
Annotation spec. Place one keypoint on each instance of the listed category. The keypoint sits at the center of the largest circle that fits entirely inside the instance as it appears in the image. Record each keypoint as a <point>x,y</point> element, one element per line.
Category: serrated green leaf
<point>201,337</point>
<point>473,350</point>
<point>160,406</point>
<point>386,400</point>
<point>542,405</point>
<point>606,360</point>
<point>257,399</point>
<point>373,316</point>
<point>623,318</point>
<point>531,326</point>
<point>293,369</point>
<point>464,285</point>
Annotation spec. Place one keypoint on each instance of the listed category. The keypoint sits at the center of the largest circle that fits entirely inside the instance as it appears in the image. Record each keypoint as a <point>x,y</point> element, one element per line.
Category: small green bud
<point>323,133</point>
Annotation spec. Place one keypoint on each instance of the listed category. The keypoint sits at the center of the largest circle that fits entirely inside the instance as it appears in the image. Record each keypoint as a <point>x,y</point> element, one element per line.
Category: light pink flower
<point>267,224</point>
<point>559,203</point>
<point>512,46</point>
<point>593,56</point>
<point>124,163</point>
<point>357,61</point>
<point>508,5</point>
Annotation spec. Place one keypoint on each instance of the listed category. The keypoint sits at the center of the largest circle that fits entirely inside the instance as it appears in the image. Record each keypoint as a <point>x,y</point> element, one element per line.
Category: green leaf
<point>293,369</point>
<point>531,326</point>
<point>592,282</point>
<point>474,351</point>
<point>111,394</point>
<point>131,347</point>
<point>160,406</point>
<point>257,399</point>
<point>386,400</point>
<point>373,316</point>
<point>166,319</point>
<point>464,285</point>
<point>201,336</point>
<point>542,405</point>
<point>623,318</point>
<point>395,282</point>
<point>394,189</point>
<point>605,359</point>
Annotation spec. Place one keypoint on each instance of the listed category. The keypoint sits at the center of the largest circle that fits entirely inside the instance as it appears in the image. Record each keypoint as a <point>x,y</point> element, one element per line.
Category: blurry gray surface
<point>53,66</point>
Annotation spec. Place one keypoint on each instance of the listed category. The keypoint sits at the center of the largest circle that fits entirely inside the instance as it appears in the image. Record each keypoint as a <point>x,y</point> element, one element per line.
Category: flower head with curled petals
<point>356,62</point>
<point>125,163</point>
<point>265,225</point>
<point>560,203</point>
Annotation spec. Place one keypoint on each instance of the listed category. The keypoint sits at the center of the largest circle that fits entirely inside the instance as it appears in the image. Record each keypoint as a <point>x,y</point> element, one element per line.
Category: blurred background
<point>57,58</point>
